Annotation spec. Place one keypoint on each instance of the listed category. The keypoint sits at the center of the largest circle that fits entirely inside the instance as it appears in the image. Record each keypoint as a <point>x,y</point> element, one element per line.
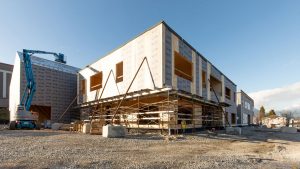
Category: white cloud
<point>284,98</point>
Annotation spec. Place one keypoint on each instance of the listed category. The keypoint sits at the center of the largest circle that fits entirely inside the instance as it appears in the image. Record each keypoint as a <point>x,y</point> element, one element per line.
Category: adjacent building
<point>5,76</point>
<point>245,108</point>
<point>157,81</point>
<point>56,85</point>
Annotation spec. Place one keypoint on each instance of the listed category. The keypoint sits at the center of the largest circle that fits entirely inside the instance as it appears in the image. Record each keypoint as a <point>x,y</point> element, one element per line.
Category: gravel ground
<point>60,149</point>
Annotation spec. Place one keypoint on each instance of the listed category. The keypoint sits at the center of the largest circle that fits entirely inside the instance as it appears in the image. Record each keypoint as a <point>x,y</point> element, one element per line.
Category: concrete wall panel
<point>131,54</point>
<point>5,75</point>
<point>168,57</point>
<point>1,85</point>
<point>54,87</point>
<point>232,108</point>
<point>14,88</point>
<point>243,109</point>
<point>8,78</point>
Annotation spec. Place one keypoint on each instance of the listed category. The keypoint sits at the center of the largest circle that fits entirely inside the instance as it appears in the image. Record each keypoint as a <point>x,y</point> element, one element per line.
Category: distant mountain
<point>294,110</point>
<point>281,99</point>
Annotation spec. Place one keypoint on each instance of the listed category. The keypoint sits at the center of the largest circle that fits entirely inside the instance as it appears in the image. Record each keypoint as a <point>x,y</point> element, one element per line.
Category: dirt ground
<point>61,149</point>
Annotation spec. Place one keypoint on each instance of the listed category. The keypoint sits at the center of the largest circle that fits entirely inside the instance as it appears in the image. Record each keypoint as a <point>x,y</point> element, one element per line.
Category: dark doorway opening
<point>44,112</point>
<point>248,118</point>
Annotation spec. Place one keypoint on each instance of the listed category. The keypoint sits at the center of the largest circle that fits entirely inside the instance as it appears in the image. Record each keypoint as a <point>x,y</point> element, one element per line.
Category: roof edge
<point>241,91</point>
<point>173,31</point>
<point>20,53</point>
<point>128,41</point>
<point>198,53</point>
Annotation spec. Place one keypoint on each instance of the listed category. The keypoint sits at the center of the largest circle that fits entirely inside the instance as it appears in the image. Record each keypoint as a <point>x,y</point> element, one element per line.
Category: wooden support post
<point>138,115</point>
<point>176,115</point>
<point>193,117</point>
<point>169,113</point>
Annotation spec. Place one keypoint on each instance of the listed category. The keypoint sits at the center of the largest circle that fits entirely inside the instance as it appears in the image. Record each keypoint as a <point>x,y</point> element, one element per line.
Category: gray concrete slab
<point>110,131</point>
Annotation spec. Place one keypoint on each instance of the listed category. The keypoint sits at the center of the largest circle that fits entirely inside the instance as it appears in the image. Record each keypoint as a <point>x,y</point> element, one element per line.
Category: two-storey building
<point>157,81</point>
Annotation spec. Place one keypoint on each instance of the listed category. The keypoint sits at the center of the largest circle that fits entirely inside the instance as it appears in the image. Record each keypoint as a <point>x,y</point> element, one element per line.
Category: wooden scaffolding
<point>163,109</point>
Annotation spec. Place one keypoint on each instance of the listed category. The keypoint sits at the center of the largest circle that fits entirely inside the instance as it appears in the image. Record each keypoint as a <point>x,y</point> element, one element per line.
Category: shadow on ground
<point>254,135</point>
<point>31,133</point>
<point>249,134</point>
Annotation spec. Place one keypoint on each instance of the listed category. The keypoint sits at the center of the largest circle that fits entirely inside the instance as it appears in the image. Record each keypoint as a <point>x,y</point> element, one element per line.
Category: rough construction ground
<point>62,149</point>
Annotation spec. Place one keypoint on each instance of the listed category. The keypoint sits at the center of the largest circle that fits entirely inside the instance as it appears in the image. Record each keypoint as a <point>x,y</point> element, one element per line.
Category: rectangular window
<point>96,81</point>
<point>227,93</point>
<point>119,72</point>
<point>183,67</point>
<point>203,79</point>
<point>82,86</point>
<point>247,105</point>
<point>233,118</point>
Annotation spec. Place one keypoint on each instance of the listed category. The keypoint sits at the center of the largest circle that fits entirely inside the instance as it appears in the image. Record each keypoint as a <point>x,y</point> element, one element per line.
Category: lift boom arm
<point>31,85</point>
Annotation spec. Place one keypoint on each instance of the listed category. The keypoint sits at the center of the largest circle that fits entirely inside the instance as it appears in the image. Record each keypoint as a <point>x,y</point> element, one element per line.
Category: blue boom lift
<point>23,117</point>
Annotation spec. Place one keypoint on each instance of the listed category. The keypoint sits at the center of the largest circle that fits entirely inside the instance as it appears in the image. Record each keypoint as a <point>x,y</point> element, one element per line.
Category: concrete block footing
<point>110,131</point>
<point>234,130</point>
<point>56,126</point>
<point>86,128</point>
<point>288,130</point>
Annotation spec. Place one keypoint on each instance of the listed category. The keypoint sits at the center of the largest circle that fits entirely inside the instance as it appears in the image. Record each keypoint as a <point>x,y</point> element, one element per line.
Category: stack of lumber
<point>96,126</point>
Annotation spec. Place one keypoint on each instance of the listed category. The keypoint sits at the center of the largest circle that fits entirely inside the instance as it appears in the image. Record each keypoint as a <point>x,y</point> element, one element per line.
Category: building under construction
<point>55,89</point>
<point>156,81</point>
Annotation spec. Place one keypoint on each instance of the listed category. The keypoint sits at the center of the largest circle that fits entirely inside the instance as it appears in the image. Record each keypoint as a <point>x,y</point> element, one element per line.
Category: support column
<point>200,74</point>
<point>4,85</point>
<point>175,47</point>
<point>223,89</point>
<point>208,72</point>
<point>163,52</point>
<point>193,84</point>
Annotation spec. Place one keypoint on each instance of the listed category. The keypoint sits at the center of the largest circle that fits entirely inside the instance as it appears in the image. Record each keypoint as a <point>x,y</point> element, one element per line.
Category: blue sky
<point>255,43</point>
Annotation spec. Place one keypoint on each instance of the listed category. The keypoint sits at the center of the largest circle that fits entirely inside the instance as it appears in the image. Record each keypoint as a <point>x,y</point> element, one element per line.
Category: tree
<point>288,115</point>
<point>261,114</point>
<point>272,113</point>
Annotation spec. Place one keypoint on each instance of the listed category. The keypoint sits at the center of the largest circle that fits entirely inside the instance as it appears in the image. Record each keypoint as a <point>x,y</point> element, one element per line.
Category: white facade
<point>159,45</point>
<point>149,45</point>
<point>15,89</point>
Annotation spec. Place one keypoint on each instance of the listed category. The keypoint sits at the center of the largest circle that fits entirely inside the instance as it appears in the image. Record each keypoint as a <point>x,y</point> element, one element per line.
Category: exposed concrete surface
<point>56,126</point>
<point>60,149</point>
<point>86,128</point>
<point>288,129</point>
<point>234,130</point>
<point>110,131</point>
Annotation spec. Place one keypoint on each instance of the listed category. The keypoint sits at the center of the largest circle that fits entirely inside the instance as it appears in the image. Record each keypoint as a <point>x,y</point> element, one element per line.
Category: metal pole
<point>145,58</point>
<point>219,102</point>
<point>67,108</point>
<point>169,112</point>
<point>138,115</point>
